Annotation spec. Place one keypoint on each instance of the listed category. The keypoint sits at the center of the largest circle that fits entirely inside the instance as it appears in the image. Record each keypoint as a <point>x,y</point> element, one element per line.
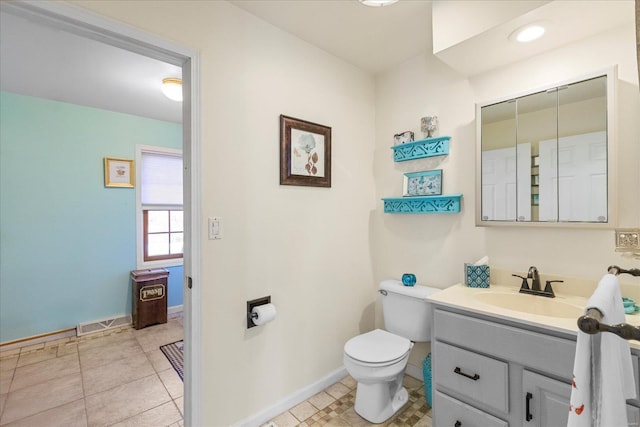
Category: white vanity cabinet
<point>488,371</point>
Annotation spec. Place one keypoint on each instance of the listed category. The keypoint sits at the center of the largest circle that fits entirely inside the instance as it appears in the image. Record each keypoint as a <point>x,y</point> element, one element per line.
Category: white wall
<point>320,252</point>
<point>306,247</point>
<point>435,247</point>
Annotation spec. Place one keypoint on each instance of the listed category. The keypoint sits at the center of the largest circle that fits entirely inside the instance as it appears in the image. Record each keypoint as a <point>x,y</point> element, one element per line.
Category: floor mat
<point>175,354</point>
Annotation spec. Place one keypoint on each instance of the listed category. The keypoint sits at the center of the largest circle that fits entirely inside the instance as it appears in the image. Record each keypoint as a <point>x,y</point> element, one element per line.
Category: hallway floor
<point>121,378</point>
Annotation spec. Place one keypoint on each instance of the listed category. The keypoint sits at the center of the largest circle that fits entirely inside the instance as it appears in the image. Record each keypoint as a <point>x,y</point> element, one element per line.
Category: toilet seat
<point>377,347</point>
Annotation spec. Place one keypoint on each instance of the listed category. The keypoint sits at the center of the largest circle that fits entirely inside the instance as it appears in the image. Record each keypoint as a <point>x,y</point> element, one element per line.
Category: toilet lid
<point>377,346</point>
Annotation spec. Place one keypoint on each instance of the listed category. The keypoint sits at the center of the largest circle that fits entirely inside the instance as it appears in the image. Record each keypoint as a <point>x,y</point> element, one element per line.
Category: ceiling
<point>40,61</point>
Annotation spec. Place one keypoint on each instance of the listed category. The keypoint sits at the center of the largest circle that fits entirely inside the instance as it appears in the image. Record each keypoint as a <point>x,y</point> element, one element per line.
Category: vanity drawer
<point>481,378</point>
<point>449,412</point>
<point>536,350</point>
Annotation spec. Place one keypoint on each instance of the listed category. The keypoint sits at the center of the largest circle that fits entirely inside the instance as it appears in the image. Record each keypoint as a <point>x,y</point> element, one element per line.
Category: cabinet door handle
<point>458,371</point>
<point>527,415</point>
<point>457,424</point>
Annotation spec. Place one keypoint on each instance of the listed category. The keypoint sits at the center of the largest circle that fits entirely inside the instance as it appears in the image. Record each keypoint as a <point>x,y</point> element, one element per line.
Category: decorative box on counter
<point>476,276</point>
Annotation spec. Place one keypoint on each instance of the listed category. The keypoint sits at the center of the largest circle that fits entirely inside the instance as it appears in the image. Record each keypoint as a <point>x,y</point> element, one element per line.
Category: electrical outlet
<point>627,239</point>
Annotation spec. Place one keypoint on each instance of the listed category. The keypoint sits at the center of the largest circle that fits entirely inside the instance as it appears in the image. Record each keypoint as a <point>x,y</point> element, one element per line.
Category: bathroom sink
<point>541,306</point>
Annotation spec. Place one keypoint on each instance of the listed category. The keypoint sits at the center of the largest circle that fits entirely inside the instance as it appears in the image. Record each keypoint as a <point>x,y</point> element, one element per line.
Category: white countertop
<point>464,297</point>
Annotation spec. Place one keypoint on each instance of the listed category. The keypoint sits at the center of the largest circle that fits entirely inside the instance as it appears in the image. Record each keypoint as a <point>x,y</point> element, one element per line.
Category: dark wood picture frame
<point>305,160</point>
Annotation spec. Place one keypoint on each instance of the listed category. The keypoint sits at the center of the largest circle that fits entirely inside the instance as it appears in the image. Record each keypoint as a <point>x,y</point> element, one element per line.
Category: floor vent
<point>102,325</point>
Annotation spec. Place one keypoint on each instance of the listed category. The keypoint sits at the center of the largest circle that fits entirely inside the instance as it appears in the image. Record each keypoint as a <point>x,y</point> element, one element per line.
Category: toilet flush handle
<point>383,292</point>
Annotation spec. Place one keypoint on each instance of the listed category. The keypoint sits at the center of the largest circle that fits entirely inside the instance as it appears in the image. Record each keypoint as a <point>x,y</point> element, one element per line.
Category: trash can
<point>149,297</point>
<point>426,372</point>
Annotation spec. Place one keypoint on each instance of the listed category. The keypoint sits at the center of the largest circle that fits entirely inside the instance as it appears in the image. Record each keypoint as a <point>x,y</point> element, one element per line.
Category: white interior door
<point>506,184</point>
<point>573,181</point>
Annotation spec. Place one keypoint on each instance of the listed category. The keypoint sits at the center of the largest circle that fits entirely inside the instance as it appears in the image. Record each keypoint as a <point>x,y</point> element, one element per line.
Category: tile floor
<point>116,379</point>
<point>121,378</point>
<point>333,407</point>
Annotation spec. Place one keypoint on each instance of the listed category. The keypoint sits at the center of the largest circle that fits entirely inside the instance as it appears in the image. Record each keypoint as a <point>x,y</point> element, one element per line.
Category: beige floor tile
<point>4,354</point>
<point>125,401</point>
<point>321,400</point>
<point>172,383</point>
<point>179,402</point>
<point>338,390</point>
<point>154,340</point>
<point>95,356</point>
<point>40,397</point>
<point>337,422</point>
<point>303,411</point>
<point>163,415</point>
<point>3,400</point>
<point>286,420</point>
<point>352,417</point>
<point>424,422</point>
<point>114,338</point>
<point>349,382</point>
<point>69,415</point>
<point>9,363</point>
<point>116,373</point>
<point>5,380</point>
<point>158,360</point>
<point>36,356</point>
<point>36,373</point>
<point>67,348</point>
<point>410,382</point>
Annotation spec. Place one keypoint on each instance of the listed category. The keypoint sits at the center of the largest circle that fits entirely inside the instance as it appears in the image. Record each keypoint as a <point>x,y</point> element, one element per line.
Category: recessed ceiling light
<point>377,3</point>
<point>528,33</point>
<point>172,88</point>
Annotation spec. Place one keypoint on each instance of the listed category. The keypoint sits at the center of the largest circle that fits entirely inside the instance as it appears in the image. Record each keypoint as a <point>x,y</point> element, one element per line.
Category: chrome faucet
<point>535,279</point>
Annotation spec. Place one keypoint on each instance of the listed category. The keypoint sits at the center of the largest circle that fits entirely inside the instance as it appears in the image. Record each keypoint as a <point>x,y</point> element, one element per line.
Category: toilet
<point>377,359</point>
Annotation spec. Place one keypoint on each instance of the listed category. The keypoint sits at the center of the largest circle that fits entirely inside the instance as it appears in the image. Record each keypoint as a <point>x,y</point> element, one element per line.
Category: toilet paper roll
<point>265,313</point>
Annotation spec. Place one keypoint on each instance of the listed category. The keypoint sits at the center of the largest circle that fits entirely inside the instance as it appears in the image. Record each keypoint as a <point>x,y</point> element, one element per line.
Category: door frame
<point>93,26</point>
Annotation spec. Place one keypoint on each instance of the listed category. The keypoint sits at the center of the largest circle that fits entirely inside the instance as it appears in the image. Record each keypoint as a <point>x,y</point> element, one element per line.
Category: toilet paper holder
<point>254,303</point>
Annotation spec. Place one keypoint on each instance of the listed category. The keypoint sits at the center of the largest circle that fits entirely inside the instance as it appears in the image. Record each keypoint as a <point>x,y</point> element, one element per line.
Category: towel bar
<point>590,324</point>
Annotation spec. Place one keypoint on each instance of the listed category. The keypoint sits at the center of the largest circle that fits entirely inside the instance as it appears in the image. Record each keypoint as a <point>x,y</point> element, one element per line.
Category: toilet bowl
<point>377,359</point>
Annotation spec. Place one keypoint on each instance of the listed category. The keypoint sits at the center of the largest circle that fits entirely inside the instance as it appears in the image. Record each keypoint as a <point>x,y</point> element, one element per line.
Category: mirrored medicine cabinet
<point>545,158</point>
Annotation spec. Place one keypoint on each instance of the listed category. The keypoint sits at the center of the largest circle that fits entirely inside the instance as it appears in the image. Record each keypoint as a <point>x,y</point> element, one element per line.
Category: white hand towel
<point>602,371</point>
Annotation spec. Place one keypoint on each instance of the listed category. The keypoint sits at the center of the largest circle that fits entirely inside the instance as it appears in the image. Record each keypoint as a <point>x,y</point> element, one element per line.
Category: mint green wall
<point>67,243</point>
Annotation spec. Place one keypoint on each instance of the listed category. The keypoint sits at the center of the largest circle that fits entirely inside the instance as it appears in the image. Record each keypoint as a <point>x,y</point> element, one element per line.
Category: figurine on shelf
<point>428,125</point>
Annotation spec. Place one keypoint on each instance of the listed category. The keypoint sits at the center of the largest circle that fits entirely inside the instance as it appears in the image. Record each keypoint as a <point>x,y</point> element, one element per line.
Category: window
<point>160,217</point>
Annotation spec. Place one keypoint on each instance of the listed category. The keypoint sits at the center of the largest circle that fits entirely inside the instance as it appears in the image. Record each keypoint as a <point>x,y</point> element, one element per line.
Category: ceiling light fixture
<point>528,33</point>
<point>377,3</point>
<point>172,88</point>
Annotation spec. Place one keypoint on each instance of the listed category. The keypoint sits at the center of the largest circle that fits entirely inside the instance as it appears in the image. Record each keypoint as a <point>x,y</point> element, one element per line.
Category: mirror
<point>543,156</point>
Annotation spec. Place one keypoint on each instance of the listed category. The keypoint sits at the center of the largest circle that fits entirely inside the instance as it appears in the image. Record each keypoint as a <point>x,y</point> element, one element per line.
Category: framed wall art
<point>305,153</point>
<point>118,172</point>
<point>428,183</point>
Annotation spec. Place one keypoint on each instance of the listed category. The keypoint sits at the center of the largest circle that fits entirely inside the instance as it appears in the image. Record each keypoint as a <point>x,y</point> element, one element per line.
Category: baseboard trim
<point>415,372</point>
<point>174,310</point>
<point>292,400</point>
<point>37,339</point>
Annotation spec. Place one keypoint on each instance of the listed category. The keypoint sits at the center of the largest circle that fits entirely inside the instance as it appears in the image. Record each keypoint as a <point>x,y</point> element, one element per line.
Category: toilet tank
<point>405,310</point>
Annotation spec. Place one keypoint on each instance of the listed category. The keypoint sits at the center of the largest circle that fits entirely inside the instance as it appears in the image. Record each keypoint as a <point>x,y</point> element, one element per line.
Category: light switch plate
<point>215,228</point>
<point>627,239</point>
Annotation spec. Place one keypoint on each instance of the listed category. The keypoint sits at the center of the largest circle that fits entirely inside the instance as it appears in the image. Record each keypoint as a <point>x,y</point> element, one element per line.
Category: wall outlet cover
<point>627,239</point>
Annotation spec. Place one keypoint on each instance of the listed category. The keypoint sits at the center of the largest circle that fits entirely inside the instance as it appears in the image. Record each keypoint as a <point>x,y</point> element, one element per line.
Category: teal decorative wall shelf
<point>429,147</point>
<point>423,204</point>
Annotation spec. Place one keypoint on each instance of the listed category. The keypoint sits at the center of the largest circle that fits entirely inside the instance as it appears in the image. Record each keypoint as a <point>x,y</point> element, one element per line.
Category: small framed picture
<point>401,138</point>
<point>428,183</point>
<point>305,153</point>
<point>118,172</point>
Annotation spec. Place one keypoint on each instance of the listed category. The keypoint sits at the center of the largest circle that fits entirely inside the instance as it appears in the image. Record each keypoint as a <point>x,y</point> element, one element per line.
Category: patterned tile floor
<point>333,407</point>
